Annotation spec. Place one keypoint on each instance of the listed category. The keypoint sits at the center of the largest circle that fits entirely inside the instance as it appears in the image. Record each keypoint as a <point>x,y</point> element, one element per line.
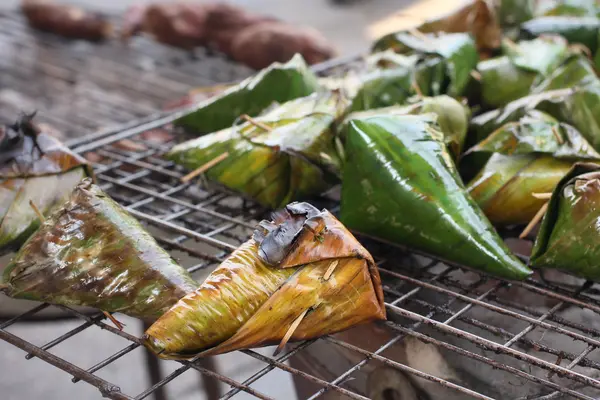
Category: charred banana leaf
<point>512,76</point>
<point>303,268</point>
<point>91,252</point>
<point>525,157</point>
<point>37,168</point>
<point>276,84</point>
<point>295,158</point>
<point>445,59</point>
<point>452,117</point>
<point>402,186</point>
<point>568,235</point>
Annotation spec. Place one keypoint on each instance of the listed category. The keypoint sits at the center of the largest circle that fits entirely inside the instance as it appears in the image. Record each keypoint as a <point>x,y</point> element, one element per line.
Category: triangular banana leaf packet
<point>523,65</point>
<point>577,30</point>
<point>34,167</point>
<point>524,158</point>
<point>402,186</point>
<point>578,106</point>
<point>91,252</point>
<point>303,270</point>
<point>295,158</point>
<point>446,59</point>
<point>276,84</point>
<point>568,235</point>
<point>452,117</point>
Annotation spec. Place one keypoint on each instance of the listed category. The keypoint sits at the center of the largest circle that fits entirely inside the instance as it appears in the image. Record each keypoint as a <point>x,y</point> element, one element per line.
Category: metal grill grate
<point>541,332</point>
<point>484,338</point>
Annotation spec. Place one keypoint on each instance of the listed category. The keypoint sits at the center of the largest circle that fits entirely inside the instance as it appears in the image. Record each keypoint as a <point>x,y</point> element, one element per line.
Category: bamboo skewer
<point>118,324</point>
<point>537,217</point>
<point>290,332</point>
<point>203,168</point>
<point>556,134</point>
<point>542,196</point>
<point>37,211</point>
<point>254,122</point>
<point>330,270</point>
<point>476,75</point>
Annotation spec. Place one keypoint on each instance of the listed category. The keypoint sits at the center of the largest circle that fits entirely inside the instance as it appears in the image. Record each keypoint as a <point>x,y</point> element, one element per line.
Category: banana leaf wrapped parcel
<point>402,186</point>
<point>286,154</point>
<point>568,236</point>
<point>522,66</point>
<point>301,276</point>
<point>91,252</point>
<point>524,158</point>
<point>445,59</point>
<point>34,167</point>
<point>452,117</point>
<point>276,84</point>
<point>578,106</point>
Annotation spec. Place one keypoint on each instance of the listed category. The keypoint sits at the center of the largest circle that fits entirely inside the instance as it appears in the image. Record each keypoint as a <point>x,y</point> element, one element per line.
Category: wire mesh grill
<point>542,332</point>
<point>452,332</point>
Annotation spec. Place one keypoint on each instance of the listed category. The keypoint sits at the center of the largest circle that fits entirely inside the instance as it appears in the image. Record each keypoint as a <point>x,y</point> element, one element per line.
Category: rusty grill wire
<point>542,334</point>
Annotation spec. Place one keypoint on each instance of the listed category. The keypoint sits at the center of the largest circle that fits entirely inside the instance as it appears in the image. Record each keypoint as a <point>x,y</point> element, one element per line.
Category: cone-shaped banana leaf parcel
<point>91,252</point>
<point>294,158</point>
<point>405,65</point>
<point>521,67</point>
<point>35,167</point>
<point>304,266</point>
<point>569,234</point>
<point>276,84</point>
<point>521,159</point>
<point>402,186</point>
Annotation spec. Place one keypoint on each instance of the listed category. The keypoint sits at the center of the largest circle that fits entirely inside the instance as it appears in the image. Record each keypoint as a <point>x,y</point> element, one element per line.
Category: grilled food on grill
<point>91,252</point>
<point>65,20</point>
<point>568,236</point>
<point>37,168</point>
<point>445,60</point>
<point>301,276</point>
<point>523,159</point>
<point>287,154</point>
<point>277,83</point>
<point>401,185</point>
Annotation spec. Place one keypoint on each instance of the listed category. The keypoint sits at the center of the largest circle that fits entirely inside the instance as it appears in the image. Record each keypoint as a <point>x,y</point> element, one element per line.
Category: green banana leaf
<point>37,169</point>
<point>402,186</point>
<point>511,76</point>
<point>446,59</point>
<point>576,71</point>
<point>514,12</point>
<point>525,157</point>
<point>304,260</point>
<point>91,252</point>
<point>276,84</point>
<point>581,30</point>
<point>578,106</point>
<point>452,118</point>
<point>568,235</point>
<point>296,159</point>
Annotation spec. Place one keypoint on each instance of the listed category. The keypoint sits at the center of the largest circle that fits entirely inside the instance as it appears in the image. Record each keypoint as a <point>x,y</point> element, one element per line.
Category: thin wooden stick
<point>556,134</point>
<point>416,88</point>
<point>476,75</point>
<point>37,211</point>
<point>118,324</point>
<point>203,168</point>
<point>420,35</point>
<point>542,196</point>
<point>254,122</point>
<point>538,216</point>
<point>330,270</point>
<point>290,332</point>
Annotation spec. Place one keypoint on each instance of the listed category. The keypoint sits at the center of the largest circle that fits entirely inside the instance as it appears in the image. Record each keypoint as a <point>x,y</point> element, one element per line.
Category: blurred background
<point>351,26</point>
